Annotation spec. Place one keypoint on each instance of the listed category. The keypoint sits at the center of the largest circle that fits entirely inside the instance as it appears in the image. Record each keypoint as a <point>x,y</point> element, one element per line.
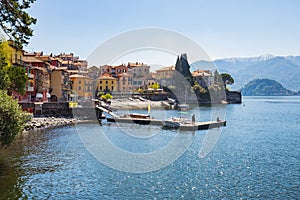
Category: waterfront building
<point>106,83</point>
<point>81,87</point>
<point>203,77</point>
<point>60,85</point>
<point>105,69</point>
<point>124,83</point>
<point>93,72</point>
<point>139,70</point>
<point>16,59</point>
<point>114,71</point>
<point>40,84</point>
<point>166,75</point>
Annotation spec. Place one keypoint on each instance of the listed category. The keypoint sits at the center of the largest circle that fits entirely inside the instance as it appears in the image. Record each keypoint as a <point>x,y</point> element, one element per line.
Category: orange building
<point>82,86</point>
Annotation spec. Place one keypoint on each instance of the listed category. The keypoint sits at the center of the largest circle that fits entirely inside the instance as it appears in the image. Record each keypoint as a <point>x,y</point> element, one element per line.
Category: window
<point>106,82</point>
<point>79,87</point>
<point>112,87</point>
<point>100,88</point>
<point>100,82</point>
<point>112,82</point>
<point>79,82</point>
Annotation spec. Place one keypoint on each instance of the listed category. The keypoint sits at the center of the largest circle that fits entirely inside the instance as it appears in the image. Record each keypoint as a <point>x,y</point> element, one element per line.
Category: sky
<point>221,28</point>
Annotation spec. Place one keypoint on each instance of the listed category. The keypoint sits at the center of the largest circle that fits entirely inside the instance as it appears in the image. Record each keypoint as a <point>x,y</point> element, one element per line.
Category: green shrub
<point>12,118</point>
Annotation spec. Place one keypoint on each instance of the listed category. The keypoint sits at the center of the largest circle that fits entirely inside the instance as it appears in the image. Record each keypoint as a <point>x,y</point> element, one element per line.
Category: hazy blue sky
<point>224,28</point>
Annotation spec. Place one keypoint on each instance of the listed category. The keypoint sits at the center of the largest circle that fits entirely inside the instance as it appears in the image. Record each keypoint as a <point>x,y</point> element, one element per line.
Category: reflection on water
<point>256,157</point>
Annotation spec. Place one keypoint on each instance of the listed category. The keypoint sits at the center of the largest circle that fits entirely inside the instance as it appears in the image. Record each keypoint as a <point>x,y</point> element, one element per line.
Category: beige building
<point>138,70</point>
<point>166,75</point>
<point>203,77</point>
<point>125,82</point>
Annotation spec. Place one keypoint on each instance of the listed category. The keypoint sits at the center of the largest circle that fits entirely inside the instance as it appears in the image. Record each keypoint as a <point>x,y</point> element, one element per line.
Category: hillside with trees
<point>265,87</point>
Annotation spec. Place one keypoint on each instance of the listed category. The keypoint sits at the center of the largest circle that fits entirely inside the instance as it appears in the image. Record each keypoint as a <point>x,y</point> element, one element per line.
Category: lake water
<point>256,156</point>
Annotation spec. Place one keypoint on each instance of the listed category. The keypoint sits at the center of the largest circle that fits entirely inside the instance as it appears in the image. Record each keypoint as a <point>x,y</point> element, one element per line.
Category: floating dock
<point>157,122</point>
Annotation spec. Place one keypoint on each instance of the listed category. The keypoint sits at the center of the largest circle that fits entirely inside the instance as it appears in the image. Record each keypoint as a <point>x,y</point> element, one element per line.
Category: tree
<point>17,76</point>
<point>183,68</point>
<point>106,96</point>
<point>13,78</point>
<point>198,88</point>
<point>4,66</point>
<point>217,77</point>
<point>15,21</point>
<point>155,86</point>
<point>227,79</point>
<point>12,118</point>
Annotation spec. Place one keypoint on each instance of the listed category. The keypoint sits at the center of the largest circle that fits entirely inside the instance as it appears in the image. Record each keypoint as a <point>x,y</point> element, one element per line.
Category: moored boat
<point>175,122</point>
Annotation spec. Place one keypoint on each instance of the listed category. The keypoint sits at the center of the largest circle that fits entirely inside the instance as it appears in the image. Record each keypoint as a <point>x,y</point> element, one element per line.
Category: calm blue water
<point>256,156</point>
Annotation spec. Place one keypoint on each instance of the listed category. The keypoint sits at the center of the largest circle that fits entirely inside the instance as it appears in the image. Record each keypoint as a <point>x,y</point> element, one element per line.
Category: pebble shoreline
<point>39,123</point>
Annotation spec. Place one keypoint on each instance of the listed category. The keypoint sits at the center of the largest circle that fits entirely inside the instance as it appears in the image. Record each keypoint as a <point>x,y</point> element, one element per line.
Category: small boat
<point>142,99</point>
<point>171,123</point>
<point>133,117</point>
<point>183,106</point>
<point>138,116</point>
<point>171,101</point>
<point>175,122</point>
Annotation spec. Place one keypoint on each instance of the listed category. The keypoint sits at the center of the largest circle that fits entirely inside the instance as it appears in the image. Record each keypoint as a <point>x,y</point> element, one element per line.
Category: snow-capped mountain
<point>250,59</point>
<point>284,69</point>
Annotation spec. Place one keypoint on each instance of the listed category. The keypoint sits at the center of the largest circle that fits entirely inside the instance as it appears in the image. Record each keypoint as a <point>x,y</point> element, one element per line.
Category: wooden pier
<point>157,122</point>
<point>190,126</point>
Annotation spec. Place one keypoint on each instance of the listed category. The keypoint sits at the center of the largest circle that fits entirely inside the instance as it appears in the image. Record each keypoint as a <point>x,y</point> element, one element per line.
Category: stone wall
<point>59,109</point>
<point>233,97</point>
<point>48,109</point>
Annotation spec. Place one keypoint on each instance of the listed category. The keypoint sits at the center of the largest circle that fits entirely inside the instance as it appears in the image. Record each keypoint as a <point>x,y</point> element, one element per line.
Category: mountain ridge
<point>283,69</point>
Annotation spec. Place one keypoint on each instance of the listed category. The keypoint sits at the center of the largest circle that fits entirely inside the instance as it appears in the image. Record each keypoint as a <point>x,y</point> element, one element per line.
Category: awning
<point>39,95</point>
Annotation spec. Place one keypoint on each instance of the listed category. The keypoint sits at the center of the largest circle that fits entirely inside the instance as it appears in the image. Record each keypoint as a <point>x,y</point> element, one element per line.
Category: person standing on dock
<point>193,119</point>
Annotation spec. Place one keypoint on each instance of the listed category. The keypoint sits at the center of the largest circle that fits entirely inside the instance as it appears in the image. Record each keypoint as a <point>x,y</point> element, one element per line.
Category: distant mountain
<point>285,70</point>
<point>265,87</point>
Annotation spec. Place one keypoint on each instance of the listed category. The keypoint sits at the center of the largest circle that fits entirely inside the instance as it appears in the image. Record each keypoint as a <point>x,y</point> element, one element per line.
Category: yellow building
<point>82,86</point>
<point>106,84</point>
<point>16,55</point>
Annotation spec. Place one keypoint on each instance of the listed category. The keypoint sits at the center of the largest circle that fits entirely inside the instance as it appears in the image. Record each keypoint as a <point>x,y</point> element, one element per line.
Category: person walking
<point>193,119</point>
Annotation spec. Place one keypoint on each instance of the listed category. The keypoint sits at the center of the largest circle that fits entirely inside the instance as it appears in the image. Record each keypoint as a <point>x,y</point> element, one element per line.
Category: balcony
<point>30,89</point>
